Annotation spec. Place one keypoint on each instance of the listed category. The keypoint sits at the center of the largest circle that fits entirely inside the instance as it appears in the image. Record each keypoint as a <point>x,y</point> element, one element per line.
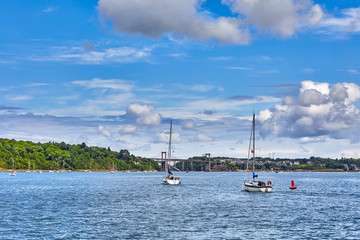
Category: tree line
<point>58,156</point>
<point>278,164</point>
<point>78,157</point>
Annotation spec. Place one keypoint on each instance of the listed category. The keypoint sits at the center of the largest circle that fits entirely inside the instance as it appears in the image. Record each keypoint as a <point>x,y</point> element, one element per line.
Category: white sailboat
<point>251,184</point>
<point>34,166</point>
<point>170,179</point>
<point>13,171</point>
<point>113,169</point>
<point>28,166</point>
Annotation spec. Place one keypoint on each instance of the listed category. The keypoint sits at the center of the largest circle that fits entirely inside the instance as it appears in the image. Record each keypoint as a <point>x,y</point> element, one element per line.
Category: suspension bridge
<point>165,162</point>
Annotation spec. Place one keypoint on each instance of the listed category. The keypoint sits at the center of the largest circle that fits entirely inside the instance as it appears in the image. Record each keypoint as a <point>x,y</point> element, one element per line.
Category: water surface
<point>205,206</point>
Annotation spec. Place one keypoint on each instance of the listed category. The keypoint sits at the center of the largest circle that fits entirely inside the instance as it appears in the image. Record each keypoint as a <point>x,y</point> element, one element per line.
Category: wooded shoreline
<point>27,155</point>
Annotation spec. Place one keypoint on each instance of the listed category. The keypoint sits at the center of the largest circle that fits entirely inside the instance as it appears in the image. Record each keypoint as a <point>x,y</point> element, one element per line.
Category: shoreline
<point>127,171</point>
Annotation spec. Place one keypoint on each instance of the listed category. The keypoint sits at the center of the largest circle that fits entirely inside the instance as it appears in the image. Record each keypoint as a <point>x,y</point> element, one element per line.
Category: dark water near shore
<point>206,206</point>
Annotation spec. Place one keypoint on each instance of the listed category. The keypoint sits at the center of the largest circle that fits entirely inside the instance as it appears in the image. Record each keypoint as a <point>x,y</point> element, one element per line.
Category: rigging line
<point>247,164</point>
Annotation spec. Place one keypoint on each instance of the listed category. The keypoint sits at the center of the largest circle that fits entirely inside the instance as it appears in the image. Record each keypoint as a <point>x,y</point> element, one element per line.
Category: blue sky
<point>114,73</point>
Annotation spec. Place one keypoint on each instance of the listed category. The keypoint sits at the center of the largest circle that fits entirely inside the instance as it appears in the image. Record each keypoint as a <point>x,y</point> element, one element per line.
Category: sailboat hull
<point>169,181</point>
<point>253,187</point>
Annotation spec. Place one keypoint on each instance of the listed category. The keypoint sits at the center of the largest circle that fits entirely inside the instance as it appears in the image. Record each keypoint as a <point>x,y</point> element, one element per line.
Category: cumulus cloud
<point>154,18</point>
<point>279,17</point>
<point>319,110</point>
<point>311,97</point>
<point>145,114</point>
<point>137,109</point>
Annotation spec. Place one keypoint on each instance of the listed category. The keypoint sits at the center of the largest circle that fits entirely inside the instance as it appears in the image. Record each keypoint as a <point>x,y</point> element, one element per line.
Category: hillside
<point>55,156</point>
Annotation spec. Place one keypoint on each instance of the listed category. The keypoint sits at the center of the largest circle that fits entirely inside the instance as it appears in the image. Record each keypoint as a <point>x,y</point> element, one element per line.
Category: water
<point>205,206</point>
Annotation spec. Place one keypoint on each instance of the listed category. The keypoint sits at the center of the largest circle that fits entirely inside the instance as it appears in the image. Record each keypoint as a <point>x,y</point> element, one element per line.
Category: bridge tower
<point>163,162</point>
<point>208,159</point>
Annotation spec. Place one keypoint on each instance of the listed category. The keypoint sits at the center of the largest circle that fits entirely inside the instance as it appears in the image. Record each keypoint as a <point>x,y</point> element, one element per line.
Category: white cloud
<point>202,88</point>
<point>36,84</point>
<point>48,10</point>
<point>279,17</point>
<point>323,88</point>
<point>308,70</point>
<point>221,58</point>
<point>87,55</point>
<point>240,68</point>
<point>149,119</point>
<point>128,129</point>
<point>104,131</point>
<point>19,97</point>
<point>121,55</point>
<point>227,104</point>
<point>154,18</point>
<point>145,114</point>
<point>164,137</point>
<point>348,22</point>
<point>353,71</point>
<point>138,109</point>
<point>115,84</point>
<point>204,138</point>
<point>319,110</point>
<point>188,124</point>
<point>311,97</point>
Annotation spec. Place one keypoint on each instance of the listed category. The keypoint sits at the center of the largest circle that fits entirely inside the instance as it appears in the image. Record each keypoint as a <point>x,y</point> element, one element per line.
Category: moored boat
<point>251,184</point>
<point>13,170</point>
<point>170,178</point>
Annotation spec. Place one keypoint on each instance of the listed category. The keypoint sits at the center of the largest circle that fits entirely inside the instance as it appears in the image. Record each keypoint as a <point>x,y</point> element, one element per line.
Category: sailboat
<point>13,171</point>
<point>28,167</point>
<point>34,166</point>
<point>251,184</point>
<point>170,179</point>
<point>112,169</point>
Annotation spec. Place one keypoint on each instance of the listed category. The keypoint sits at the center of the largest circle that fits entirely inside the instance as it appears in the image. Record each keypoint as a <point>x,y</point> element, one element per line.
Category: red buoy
<point>292,185</point>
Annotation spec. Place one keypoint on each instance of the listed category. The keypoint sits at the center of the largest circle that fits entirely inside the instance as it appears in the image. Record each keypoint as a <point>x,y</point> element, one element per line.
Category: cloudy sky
<point>114,73</point>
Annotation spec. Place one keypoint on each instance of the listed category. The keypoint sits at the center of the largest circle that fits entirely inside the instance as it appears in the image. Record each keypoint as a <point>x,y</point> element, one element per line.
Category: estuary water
<point>76,205</point>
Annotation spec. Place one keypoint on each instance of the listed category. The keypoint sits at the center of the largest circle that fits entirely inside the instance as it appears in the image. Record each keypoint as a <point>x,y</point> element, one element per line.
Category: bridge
<point>164,161</point>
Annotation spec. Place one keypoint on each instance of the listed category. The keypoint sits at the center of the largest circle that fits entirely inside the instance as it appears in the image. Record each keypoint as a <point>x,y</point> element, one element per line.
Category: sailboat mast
<point>169,151</point>
<point>253,131</point>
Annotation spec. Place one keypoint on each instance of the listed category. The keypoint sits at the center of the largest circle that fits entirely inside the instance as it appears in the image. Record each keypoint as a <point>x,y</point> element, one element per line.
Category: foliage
<point>55,156</point>
<point>266,164</point>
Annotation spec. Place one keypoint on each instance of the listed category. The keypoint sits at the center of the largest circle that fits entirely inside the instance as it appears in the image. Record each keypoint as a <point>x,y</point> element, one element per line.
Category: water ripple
<point>205,206</point>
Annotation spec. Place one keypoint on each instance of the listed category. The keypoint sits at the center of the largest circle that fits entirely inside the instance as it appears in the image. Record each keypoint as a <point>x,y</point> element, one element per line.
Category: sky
<point>114,73</point>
